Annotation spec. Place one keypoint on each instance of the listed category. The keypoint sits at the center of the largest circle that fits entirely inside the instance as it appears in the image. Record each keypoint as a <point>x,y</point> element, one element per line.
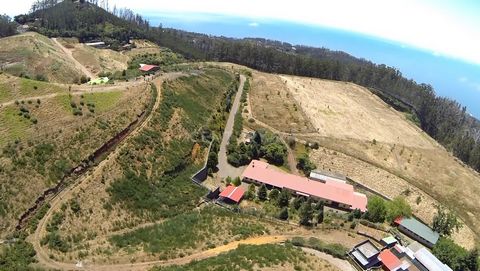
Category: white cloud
<point>253,24</point>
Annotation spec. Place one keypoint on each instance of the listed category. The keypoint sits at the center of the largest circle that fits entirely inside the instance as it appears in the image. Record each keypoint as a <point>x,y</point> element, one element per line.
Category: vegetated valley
<point>100,174</point>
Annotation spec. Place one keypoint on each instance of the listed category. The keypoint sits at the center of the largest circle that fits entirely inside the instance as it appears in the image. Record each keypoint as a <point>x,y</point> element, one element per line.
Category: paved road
<point>79,65</point>
<point>224,168</point>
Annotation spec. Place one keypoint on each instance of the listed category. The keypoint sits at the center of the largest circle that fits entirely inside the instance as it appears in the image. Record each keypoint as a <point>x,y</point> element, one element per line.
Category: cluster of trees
<point>455,256</point>
<point>308,210</point>
<point>7,26</point>
<point>85,20</point>
<point>380,210</point>
<point>263,145</point>
<point>445,222</point>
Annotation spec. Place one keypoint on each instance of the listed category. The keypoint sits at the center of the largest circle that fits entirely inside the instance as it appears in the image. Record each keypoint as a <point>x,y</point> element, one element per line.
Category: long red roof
<point>233,193</point>
<point>330,190</point>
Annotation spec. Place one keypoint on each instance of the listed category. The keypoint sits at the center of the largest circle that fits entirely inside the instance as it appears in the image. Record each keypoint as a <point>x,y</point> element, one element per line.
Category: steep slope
<point>35,56</point>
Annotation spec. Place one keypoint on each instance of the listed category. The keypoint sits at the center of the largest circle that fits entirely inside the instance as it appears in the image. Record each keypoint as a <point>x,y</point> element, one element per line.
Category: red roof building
<point>149,68</point>
<point>232,193</point>
<point>389,260</point>
<point>331,192</point>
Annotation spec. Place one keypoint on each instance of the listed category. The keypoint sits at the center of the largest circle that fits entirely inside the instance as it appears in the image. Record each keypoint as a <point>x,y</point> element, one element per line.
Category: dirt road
<point>79,65</point>
<point>79,90</point>
<point>55,203</point>
<point>224,168</point>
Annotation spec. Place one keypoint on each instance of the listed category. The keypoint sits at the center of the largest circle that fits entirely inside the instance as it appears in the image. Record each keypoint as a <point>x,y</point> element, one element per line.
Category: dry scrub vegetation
<point>272,103</point>
<point>365,139</point>
<point>43,139</point>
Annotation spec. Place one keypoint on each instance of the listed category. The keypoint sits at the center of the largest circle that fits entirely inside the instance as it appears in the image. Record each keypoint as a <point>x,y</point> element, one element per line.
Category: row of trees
<point>308,210</point>
<point>262,145</point>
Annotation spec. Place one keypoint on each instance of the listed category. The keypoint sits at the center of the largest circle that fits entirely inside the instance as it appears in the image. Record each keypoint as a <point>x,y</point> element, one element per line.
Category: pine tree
<point>262,193</point>
<point>306,213</point>
<point>283,198</point>
<point>283,215</point>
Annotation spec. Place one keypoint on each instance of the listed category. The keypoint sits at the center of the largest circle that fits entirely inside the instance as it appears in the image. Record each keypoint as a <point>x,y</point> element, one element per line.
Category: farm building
<point>322,176</point>
<point>232,194</point>
<point>417,231</point>
<point>334,194</point>
<point>98,44</point>
<point>395,257</point>
<point>365,255</point>
<point>148,68</point>
<point>389,241</point>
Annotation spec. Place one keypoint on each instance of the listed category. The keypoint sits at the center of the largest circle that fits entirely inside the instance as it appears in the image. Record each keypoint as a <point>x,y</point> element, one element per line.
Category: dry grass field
<point>365,139</point>
<point>272,103</point>
<point>38,148</point>
<point>33,55</point>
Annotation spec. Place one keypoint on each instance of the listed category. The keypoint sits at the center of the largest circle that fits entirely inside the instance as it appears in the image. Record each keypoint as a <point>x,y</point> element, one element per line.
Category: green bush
<point>245,257</point>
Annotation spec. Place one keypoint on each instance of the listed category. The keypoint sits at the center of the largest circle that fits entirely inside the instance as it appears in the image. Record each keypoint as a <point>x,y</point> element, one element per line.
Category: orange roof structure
<point>233,193</point>
<point>389,260</point>
<point>330,190</point>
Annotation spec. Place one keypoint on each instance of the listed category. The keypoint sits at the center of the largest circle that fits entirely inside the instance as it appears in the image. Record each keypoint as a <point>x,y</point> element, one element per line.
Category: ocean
<point>450,77</point>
